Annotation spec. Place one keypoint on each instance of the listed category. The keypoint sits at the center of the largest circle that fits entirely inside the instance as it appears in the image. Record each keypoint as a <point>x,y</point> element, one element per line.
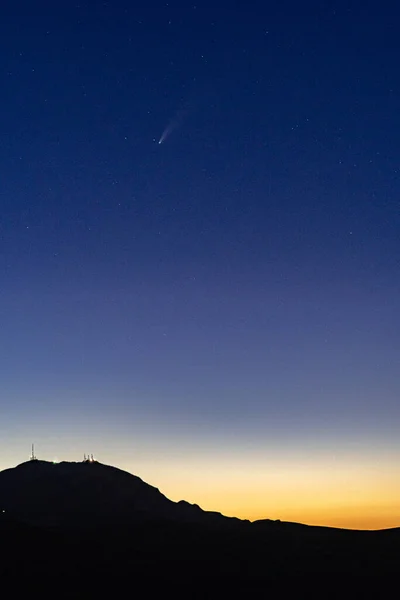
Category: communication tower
<point>33,457</point>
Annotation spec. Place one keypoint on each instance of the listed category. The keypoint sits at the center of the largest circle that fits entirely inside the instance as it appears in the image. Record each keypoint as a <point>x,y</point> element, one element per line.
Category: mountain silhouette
<point>88,523</point>
<point>89,493</point>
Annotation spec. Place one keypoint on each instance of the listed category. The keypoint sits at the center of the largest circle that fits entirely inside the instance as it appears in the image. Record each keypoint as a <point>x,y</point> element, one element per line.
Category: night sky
<point>217,313</point>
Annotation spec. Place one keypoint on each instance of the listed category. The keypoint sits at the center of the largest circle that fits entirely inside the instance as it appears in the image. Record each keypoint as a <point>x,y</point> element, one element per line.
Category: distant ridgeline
<point>63,493</point>
<point>87,458</point>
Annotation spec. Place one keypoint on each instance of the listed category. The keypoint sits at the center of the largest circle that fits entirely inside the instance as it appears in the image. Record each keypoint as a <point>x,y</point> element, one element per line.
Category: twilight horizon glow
<point>217,314</point>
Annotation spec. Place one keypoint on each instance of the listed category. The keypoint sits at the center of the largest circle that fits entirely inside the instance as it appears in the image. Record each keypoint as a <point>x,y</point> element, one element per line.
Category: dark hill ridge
<point>71,493</point>
<point>91,522</point>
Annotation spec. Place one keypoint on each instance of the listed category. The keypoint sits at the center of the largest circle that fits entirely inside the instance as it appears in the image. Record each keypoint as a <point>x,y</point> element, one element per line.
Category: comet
<point>172,125</point>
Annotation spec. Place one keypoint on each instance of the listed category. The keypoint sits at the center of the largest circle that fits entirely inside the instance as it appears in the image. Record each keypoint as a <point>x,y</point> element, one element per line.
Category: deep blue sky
<point>243,276</point>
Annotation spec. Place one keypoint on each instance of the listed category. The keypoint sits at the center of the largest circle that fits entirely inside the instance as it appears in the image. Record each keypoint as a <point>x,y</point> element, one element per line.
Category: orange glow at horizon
<point>354,483</point>
<point>357,495</point>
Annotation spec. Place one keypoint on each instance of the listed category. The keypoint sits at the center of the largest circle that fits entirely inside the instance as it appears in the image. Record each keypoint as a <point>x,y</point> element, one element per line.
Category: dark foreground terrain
<point>87,530</point>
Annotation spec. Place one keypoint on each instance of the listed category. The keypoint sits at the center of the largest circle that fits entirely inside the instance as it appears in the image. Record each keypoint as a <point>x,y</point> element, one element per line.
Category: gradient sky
<point>219,313</point>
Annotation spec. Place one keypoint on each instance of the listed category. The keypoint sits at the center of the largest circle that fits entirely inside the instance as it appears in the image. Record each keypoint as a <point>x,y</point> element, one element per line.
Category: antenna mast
<point>33,457</point>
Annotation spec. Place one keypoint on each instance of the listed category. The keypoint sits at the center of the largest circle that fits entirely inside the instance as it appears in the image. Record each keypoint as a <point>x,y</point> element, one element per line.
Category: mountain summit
<point>87,521</point>
<point>89,493</point>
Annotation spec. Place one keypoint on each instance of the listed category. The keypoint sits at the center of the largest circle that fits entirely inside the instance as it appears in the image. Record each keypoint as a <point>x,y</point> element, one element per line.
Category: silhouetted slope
<point>88,493</point>
<point>87,522</point>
